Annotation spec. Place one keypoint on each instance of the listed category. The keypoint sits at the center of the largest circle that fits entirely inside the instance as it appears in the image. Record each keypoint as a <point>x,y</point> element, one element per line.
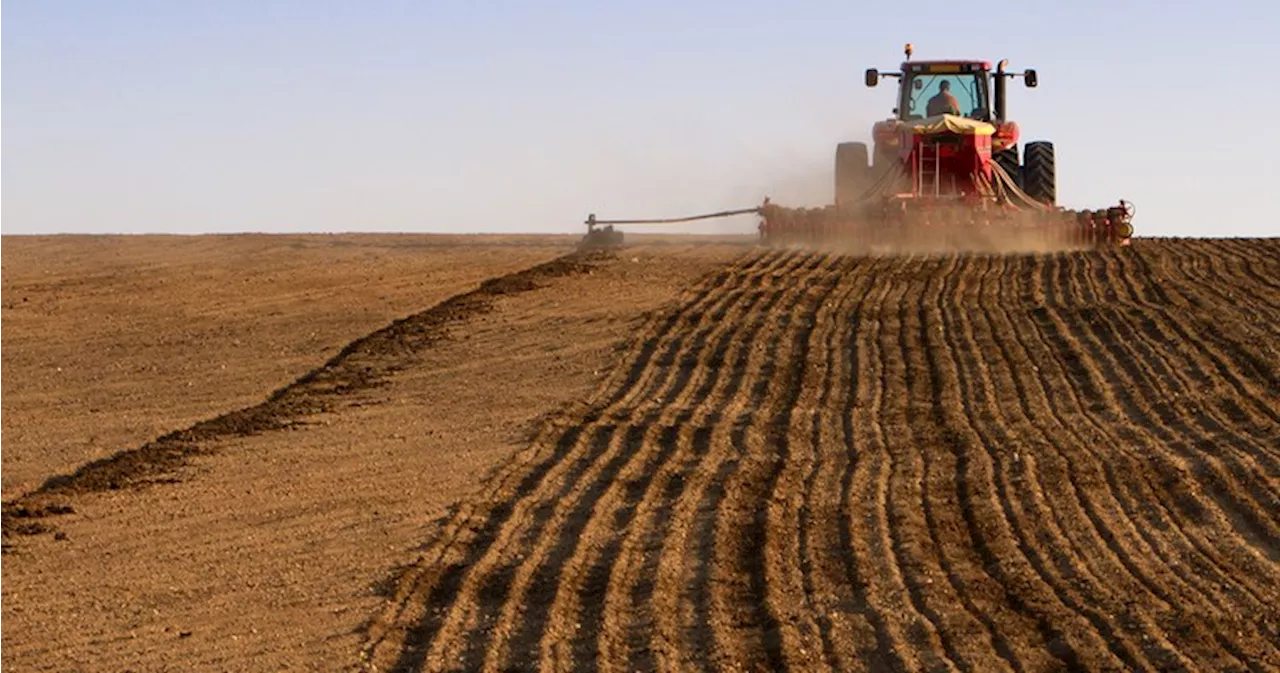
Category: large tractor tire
<point>882,161</point>
<point>1039,177</point>
<point>852,172</point>
<point>1008,160</point>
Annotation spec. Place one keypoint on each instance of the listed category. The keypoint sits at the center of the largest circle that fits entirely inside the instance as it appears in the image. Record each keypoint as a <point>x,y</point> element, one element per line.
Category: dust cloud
<point>998,238</point>
<point>786,155</point>
<point>992,240</point>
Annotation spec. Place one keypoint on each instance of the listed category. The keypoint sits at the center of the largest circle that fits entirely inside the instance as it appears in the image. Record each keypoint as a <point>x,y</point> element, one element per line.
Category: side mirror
<point>873,77</point>
<point>1030,76</point>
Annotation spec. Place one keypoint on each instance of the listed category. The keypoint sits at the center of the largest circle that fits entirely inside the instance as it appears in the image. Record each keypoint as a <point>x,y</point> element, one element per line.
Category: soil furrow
<point>477,603</point>
<point>1237,503</point>
<point>1162,501</point>
<point>803,634</point>
<point>639,600</point>
<point>1198,395</point>
<point>1016,632</point>
<point>1180,576</point>
<point>1261,412</point>
<point>618,640</point>
<point>1106,504</point>
<point>1037,517</point>
<point>661,324</point>
<point>1141,599</point>
<point>909,541</point>
<point>425,592</point>
<point>1217,410</point>
<point>1143,541</point>
<point>1201,325</point>
<point>877,518</point>
<point>1247,255</point>
<point>1187,399</point>
<point>1258,250</point>
<point>979,644</point>
<point>686,572</point>
<point>744,621</point>
<point>1043,592</point>
<point>1186,502</point>
<point>525,615</point>
<point>849,625</point>
<point>577,614</point>
<point>1226,274</point>
<point>524,586</point>
<point>956,462</point>
<point>1110,575</point>
<point>1231,315</point>
<point>807,625</point>
<point>864,525</point>
<point>793,461</point>
<point>1207,271</point>
<point>905,498</point>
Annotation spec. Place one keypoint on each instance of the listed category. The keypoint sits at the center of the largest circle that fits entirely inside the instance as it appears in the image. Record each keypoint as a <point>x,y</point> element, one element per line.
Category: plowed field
<point>971,462</point>
<point>786,460</point>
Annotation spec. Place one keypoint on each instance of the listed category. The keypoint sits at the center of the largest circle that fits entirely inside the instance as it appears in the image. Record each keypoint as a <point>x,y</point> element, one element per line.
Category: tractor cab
<point>961,88</point>
<point>931,88</point>
<point>957,104</point>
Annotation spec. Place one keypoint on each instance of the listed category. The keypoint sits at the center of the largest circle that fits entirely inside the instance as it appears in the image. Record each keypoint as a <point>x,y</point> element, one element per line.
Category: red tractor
<point>963,89</point>
<point>946,165</point>
<point>942,173</point>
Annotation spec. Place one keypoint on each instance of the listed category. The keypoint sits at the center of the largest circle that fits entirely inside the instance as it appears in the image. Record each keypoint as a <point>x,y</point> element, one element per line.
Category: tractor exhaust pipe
<point>1002,109</point>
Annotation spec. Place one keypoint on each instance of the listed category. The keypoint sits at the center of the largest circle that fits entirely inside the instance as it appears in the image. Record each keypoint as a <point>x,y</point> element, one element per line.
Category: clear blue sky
<point>209,116</point>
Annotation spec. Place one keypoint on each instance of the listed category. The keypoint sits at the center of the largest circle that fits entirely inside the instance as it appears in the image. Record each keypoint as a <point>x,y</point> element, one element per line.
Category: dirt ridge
<point>360,366</point>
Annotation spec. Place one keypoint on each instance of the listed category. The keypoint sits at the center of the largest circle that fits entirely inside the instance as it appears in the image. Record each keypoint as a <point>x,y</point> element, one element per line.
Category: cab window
<point>967,89</point>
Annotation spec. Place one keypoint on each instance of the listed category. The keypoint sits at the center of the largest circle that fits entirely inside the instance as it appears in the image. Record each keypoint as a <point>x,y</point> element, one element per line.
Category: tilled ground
<point>1041,462</point>
<point>1065,461</point>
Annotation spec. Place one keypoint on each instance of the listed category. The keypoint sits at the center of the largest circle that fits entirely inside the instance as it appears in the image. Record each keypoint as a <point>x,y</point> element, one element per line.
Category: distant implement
<point>943,171</point>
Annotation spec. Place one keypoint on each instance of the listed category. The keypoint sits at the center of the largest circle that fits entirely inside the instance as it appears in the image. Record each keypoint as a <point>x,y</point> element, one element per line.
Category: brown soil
<point>798,460</point>
<point>110,341</point>
<point>264,533</point>
<point>1039,462</point>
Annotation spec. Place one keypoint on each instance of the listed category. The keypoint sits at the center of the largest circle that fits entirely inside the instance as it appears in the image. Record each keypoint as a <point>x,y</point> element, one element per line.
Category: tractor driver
<point>943,102</point>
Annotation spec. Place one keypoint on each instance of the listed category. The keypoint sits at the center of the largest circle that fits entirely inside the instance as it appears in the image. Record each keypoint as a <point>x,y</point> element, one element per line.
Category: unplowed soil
<point>110,341</point>
<point>790,460</point>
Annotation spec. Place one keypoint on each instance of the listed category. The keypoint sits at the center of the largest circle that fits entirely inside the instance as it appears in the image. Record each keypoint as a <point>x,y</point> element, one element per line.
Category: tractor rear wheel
<point>1039,177</point>
<point>882,161</point>
<point>1008,160</point>
<point>852,171</point>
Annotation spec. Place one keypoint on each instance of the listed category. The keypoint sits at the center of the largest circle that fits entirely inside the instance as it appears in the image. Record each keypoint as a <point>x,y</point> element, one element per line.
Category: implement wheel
<point>603,238</point>
<point>1039,175</point>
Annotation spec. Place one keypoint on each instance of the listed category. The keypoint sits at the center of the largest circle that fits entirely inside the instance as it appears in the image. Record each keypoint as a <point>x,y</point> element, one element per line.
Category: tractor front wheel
<point>852,171</point>
<point>1039,177</point>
